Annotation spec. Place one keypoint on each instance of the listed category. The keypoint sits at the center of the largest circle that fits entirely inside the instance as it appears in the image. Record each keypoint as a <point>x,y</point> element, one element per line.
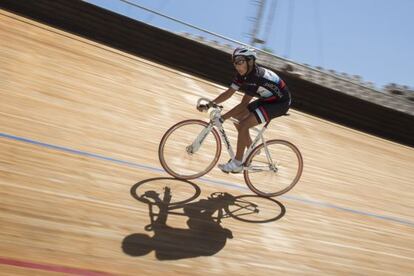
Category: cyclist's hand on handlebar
<point>203,107</point>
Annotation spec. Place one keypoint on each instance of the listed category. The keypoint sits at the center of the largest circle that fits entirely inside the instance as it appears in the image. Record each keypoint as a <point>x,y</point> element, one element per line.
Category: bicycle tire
<point>168,167</point>
<point>289,148</point>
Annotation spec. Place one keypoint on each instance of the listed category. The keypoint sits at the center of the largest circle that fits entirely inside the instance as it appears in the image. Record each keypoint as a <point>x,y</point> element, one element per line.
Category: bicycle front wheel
<point>189,149</point>
<point>273,170</point>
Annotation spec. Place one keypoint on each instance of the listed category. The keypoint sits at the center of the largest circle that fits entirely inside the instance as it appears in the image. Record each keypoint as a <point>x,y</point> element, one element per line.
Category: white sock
<point>237,162</point>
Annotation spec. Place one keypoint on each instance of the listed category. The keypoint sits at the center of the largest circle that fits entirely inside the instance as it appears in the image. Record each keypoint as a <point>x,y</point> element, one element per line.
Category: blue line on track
<point>222,183</point>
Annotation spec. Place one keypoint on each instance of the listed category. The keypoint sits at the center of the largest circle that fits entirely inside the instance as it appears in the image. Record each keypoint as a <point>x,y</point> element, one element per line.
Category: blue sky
<point>370,38</point>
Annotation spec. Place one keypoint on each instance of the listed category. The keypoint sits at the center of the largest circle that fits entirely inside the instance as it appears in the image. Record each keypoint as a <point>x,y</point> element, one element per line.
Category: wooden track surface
<point>80,125</point>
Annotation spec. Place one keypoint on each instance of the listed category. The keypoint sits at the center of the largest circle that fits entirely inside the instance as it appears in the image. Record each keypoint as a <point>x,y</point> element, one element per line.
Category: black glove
<point>203,107</point>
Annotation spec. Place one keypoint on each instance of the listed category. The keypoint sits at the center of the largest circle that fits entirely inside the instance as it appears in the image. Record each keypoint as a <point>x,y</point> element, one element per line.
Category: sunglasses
<point>239,61</point>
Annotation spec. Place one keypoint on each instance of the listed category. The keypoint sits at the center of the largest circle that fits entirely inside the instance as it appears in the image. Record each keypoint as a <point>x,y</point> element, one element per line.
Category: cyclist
<point>255,82</point>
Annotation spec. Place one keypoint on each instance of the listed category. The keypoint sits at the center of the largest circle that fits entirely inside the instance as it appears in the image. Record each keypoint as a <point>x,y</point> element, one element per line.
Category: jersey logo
<point>271,86</point>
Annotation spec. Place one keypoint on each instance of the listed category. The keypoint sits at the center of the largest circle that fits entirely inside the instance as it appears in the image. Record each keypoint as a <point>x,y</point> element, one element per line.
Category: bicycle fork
<point>193,148</point>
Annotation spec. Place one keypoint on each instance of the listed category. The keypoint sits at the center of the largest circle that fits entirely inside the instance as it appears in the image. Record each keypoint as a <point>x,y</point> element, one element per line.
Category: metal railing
<point>316,75</point>
<point>287,61</point>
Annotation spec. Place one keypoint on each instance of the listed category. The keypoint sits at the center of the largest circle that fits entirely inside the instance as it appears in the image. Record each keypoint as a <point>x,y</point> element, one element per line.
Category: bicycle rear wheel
<point>176,152</point>
<point>275,174</point>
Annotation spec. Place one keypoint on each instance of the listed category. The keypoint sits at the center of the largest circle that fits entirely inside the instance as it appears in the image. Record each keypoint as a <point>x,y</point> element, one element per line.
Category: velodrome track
<point>80,125</point>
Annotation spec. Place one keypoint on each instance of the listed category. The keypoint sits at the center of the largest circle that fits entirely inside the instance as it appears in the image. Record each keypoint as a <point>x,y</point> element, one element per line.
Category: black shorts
<point>266,111</point>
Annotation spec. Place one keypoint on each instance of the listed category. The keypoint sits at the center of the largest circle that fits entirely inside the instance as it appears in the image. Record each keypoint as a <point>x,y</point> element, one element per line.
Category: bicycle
<point>270,169</point>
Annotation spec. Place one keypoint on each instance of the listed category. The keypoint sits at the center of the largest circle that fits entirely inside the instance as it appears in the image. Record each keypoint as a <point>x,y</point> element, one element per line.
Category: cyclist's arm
<point>245,100</point>
<point>224,96</point>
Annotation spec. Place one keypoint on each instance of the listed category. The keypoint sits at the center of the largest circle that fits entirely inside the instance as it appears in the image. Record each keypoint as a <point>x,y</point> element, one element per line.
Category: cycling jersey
<point>262,83</point>
<point>274,96</point>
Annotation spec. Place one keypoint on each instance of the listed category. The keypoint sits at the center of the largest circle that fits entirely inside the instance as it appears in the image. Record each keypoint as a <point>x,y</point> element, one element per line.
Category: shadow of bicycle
<point>205,236</point>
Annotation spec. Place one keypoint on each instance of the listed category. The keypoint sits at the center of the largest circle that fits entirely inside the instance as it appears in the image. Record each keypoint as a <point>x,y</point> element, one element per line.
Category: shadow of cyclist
<point>204,237</point>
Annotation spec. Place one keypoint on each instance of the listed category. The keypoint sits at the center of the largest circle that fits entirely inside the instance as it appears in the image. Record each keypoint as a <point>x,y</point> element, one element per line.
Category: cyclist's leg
<point>266,111</point>
<point>244,136</point>
<point>236,112</point>
<point>236,166</point>
<point>269,111</point>
<point>241,117</point>
<point>246,120</point>
<point>239,113</point>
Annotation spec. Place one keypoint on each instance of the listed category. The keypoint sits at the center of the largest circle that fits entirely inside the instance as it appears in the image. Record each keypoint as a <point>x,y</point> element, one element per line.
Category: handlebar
<point>212,104</point>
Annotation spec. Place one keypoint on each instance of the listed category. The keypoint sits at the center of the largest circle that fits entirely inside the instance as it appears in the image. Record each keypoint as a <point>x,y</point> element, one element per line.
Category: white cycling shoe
<point>233,166</point>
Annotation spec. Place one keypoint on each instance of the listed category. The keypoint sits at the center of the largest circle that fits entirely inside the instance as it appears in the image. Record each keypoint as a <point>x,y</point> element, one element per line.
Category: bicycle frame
<point>216,121</point>
<point>229,148</point>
